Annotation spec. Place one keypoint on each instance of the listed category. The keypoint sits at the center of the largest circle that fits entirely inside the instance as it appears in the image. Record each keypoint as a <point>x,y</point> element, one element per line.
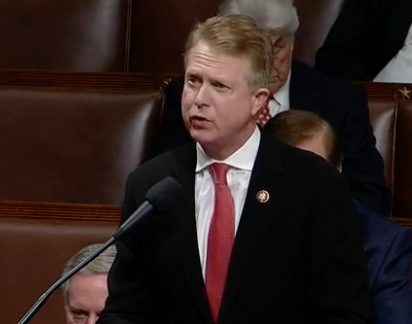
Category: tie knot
<point>219,172</point>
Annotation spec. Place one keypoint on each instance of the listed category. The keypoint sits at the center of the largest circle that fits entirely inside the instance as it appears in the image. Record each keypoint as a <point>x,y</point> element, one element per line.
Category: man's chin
<point>275,86</point>
<point>201,136</point>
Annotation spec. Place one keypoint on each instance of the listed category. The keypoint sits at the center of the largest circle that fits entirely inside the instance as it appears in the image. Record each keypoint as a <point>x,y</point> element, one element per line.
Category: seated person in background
<point>388,246</point>
<point>85,293</point>
<point>370,40</point>
<point>297,86</point>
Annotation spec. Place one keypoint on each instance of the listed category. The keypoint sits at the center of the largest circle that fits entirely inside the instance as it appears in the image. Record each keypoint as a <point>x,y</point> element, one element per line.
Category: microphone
<point>162,196</point>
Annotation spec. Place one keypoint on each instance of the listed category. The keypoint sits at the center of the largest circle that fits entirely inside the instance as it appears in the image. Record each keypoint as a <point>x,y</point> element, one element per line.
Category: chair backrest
<point>76,35</point>
<point>391,118</point>
<point>402,187</point>
<point>159,31</point>
<point>73,145</point>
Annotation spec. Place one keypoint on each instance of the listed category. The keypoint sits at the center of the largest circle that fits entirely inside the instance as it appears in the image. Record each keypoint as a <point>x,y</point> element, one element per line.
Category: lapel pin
<point>262,196</point>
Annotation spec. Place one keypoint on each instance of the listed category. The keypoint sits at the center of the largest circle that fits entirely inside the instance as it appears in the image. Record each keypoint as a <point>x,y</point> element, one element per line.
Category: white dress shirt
<point>280,101</point>
<point>399,69</point>
<point>240,168</point>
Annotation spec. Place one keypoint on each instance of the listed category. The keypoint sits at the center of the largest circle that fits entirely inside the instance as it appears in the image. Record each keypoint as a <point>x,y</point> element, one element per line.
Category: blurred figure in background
<point>388,246</point>
<point>371,40</point>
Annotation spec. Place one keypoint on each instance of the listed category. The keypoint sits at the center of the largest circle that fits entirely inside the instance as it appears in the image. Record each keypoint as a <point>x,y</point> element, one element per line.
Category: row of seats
<point>68,141</point>
<point>68,144</point>
<point>76,143</point>
<point>125,35</point>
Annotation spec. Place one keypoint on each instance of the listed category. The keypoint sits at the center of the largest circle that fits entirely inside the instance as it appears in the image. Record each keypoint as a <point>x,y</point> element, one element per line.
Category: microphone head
<point>164,194</point>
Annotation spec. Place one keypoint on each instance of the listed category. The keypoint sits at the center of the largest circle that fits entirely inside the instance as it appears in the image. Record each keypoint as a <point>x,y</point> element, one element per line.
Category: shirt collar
<point>243,158</point>
<point>282,96</point>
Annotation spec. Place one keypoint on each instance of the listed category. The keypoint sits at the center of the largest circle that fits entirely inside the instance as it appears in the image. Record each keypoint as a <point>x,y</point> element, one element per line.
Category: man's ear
<point>260,99</point>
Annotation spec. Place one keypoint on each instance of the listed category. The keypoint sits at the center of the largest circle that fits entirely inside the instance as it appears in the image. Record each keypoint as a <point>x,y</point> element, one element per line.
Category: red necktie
<point>220,240</point>
<point>264,115</point>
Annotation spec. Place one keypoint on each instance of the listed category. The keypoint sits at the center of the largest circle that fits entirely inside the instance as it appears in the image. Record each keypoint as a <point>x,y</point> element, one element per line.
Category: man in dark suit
<point>297,86</point>
<point>370,40</point>
<point>388,246</point>
<point>263,232</point>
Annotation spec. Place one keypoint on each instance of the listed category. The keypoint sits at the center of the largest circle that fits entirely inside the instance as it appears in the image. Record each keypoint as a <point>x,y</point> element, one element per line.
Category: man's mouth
<point>197,119</point>
<point>198,122</point>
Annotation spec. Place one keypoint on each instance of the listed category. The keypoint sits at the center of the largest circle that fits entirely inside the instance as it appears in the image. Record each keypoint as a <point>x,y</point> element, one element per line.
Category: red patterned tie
<point>264,115</point>
<point>221,237</point>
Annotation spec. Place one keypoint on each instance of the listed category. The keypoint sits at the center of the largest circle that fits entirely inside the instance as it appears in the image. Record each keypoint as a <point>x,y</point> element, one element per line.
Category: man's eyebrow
<point>78,310</point>
<point>217,80</point>
<point>225,83</point>
<point>192,74</point>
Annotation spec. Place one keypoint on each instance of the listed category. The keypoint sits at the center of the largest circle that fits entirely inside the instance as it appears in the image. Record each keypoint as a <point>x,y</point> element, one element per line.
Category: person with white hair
<point>280,19</point>
<point>295,85</point>
<point>85,293</point>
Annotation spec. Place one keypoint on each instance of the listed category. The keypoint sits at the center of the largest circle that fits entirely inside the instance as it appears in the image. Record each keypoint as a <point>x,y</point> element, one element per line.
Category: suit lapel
<point>255,218</point>
<point>185,235</point>
<point>304,88</point>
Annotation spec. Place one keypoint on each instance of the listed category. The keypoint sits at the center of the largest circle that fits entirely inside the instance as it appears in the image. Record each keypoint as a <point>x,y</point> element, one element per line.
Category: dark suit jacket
<point>365,37</point>
<point>341,103</point>
<point>388,248</point>
<point>296,259</point>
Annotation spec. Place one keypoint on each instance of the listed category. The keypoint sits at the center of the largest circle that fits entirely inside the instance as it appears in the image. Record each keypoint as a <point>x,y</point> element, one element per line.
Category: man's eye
<point>79,315</point>
<point>192,81</point>
<point>219,85</point>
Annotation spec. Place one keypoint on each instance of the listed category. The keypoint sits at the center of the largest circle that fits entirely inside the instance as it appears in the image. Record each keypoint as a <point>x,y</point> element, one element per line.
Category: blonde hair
<point>270,15</point>
<point>294,127</point>
<point>239,36</point>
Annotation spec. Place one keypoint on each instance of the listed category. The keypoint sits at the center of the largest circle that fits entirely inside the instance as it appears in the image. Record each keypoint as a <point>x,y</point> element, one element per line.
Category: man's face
<point>218,107</point>
<point>86,297</point>
<point>282,47</point>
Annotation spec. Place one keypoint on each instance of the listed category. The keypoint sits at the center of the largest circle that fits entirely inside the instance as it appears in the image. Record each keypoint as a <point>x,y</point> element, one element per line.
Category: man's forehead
<point>88,281</point>
<point>205,58</point>
<point>203,52</point>
<point>86,288</point>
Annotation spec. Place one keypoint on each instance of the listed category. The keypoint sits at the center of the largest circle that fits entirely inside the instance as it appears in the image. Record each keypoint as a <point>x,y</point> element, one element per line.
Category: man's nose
<point>92,319</point>
<point>202,96</point>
